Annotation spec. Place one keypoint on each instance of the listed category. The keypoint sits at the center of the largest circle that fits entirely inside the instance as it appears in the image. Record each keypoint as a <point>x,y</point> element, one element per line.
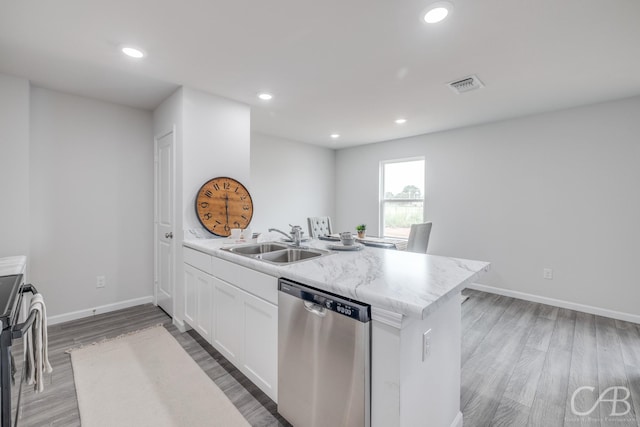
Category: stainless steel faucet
<point>295,235</point>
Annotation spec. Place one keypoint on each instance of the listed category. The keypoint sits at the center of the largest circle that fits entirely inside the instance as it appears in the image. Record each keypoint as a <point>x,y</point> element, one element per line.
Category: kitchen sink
<point>290,255</point>
<point>261,248</point>
<point>277,253</point>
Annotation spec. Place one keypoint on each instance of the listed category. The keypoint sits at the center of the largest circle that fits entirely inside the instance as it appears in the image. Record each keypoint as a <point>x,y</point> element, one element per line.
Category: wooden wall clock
<point>223,203</point>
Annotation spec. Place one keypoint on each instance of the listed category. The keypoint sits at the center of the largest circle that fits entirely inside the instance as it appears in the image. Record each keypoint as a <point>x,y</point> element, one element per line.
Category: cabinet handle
<point>169,235</point>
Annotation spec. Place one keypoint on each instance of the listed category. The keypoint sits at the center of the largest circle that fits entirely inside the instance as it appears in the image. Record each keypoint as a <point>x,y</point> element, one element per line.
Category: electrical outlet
<point>426,345</point>
<point>101,281</point>
<point>547,273</point>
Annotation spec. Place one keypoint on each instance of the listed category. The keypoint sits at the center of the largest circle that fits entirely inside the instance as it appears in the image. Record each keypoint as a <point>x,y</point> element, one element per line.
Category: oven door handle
<point>28,288</point>
<point>21,328</point>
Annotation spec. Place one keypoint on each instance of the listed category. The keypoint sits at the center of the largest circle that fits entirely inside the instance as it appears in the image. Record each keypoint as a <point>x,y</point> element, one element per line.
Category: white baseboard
<point>457,422</point>
<point>627,317</point>
<point>52,320</point>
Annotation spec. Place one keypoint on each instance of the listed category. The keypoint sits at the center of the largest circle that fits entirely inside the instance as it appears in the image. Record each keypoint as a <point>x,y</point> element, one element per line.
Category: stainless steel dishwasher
<point>324,353</point>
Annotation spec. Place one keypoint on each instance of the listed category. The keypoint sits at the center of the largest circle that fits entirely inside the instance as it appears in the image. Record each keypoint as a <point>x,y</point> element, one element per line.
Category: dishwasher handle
<point>316,309</point>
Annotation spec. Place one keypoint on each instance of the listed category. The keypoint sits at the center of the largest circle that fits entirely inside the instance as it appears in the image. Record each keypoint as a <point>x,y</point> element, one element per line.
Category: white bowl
<point>348,242</point>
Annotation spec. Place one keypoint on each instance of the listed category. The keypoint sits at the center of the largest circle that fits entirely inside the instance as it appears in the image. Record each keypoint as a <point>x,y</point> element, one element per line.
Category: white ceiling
<point>345,66</point>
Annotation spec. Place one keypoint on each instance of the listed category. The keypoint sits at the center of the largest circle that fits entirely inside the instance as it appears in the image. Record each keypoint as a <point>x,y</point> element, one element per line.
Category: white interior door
<point>164,221</point>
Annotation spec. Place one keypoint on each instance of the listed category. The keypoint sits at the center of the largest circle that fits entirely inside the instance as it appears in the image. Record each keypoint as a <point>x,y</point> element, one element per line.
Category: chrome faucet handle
<point>296,234</point>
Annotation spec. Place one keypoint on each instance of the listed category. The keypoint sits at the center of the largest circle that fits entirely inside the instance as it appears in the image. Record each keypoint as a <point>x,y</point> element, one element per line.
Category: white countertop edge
<point>453,292</point>
<point>374,297</point>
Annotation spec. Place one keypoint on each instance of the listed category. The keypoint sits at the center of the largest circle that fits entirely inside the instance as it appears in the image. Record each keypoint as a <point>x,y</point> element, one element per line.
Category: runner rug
<point>147,379</point>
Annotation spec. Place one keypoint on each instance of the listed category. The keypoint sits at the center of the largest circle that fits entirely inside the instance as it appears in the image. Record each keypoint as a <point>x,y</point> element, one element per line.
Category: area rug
<point>147,379</point>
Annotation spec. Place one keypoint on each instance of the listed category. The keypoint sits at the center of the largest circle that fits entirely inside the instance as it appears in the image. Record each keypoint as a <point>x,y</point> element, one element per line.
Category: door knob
<point>169,235</point>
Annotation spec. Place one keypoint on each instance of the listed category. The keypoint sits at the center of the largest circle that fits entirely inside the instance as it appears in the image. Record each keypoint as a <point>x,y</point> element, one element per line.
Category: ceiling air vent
<point>466,84</point>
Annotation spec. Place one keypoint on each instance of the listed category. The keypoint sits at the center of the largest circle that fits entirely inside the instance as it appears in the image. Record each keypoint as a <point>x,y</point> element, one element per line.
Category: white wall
<point>290,182</point>
<point>91,197</point>
<point>14,166</point>
<point>212,139</point>
<point>216,142</point>
<point>556,190</point>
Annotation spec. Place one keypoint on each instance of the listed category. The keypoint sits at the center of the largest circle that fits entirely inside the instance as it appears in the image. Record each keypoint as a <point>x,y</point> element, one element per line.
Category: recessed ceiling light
<point>132,52</point>
<point>437,12</point>
<point>265,96</point>
<point>401,121</point>
<point>335,135</point>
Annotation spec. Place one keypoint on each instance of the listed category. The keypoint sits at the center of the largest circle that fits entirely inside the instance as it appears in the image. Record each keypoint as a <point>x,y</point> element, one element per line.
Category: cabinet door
<point>227,320</point>
<point>190,296</point>
<point>260,358</point>
<point>204,292</point>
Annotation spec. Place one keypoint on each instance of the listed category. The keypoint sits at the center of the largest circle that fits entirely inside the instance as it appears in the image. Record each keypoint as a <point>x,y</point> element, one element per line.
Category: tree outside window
<point>402,196</point>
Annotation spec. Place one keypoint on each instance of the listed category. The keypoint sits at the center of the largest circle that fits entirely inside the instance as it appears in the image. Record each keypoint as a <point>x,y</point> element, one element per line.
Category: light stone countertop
<point>402,282</point>
<point>12,265</point>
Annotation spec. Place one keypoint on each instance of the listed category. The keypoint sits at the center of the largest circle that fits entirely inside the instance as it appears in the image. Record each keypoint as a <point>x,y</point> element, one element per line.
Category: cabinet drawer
<point>198,259</point>
<point>256,283</point>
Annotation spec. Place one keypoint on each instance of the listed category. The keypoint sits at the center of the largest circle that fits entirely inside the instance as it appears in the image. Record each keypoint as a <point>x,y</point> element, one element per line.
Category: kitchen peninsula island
<point>415,311</point>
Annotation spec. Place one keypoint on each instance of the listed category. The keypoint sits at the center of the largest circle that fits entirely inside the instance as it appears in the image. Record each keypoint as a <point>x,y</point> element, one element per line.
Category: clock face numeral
<point>226,185</point>
<point>216,186</point>
<point>244,217</point>
<point>227,228</point>
<point>204,205</point>
<point>236,223</point>
<point>236,190</point>
<point>207,215</point>
<point>243,197</point>
<point>208,193</point>
<point>245,207</point>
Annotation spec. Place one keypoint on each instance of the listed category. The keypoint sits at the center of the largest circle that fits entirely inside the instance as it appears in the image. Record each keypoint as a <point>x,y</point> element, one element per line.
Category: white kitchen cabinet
<point>260,357</point>
<point>235,309</point>
<point>198,288</point>
<point>227,306</point>
<point>246,333</point>
<point>190,299</point>
<point>204,292</point>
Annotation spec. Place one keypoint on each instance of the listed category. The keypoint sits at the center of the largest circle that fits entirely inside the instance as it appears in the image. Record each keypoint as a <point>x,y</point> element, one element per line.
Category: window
<point>401,196</point>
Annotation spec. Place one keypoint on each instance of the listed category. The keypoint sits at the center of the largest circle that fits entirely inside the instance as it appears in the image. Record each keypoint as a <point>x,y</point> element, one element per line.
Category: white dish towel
<point>36,344</point>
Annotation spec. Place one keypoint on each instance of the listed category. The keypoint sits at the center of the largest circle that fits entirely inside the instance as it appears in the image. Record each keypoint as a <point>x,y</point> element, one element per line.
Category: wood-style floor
<point>521,363</point>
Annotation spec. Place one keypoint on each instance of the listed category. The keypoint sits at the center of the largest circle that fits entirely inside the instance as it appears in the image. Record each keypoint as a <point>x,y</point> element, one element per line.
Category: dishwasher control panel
<point>344,306</point>
<point>340,307</point>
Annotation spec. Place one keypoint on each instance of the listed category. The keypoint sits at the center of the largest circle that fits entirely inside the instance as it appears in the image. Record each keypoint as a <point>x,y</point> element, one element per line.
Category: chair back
<point>319,226</point>
<point>419,237</point>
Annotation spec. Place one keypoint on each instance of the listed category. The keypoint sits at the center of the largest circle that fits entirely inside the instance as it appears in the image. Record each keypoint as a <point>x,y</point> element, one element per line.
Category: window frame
<point>381,199</point>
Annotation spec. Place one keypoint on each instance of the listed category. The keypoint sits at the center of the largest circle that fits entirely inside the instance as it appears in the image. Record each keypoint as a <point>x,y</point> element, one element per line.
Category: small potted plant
<point>361,229</point>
